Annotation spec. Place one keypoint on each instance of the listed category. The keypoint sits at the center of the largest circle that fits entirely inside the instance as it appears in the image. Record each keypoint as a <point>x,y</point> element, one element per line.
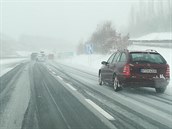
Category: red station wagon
<point>127,68</point>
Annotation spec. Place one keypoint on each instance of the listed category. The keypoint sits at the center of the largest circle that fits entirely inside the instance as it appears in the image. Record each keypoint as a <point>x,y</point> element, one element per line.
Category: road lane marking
<point>82,100</point>
<point>99,109</point>
<point>70,86</point>
<point>59,78</point>
<point>57,107</point>
<point>53,72</point>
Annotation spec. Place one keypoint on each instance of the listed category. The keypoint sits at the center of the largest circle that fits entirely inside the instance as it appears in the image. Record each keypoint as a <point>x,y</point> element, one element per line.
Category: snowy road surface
<point>42,95</point>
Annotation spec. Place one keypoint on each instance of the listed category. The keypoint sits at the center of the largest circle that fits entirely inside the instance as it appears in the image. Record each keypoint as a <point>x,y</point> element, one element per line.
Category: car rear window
<point>145,57</point>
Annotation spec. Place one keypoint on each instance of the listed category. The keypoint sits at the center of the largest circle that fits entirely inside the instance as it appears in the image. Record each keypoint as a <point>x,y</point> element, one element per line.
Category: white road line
<point>104,113</point>
<point>53,72</point>
<point>57,107</point>
<point>59,77</point>
<point>70,86</point>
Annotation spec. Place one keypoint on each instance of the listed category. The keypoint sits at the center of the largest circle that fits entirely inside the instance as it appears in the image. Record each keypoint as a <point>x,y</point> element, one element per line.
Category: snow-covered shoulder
<point>8,64</point>
<point>88,63</point>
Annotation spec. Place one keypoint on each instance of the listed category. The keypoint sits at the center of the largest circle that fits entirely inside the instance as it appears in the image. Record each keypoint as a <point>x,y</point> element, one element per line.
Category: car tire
<point>100,79</point>
<point>160,90</point>
<point>116,84</point>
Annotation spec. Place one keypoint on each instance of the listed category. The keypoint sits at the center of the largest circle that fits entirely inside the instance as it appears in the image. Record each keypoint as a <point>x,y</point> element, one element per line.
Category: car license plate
<point>148,71</point>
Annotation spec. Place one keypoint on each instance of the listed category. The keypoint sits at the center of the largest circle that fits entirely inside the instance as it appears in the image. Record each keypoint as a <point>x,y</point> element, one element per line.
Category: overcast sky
<point>70,20</point>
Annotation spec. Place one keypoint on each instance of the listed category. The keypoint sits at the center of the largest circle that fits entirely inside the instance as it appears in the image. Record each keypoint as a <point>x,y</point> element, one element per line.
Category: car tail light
<point>167,73</point>
<point>126,70</point>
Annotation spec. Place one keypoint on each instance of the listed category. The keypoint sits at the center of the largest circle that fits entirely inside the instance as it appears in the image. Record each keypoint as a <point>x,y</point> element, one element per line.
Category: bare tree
<point>106,38</point>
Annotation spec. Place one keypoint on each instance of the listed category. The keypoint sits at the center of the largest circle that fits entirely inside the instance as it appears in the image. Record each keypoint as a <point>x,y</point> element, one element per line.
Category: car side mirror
<point>104,63</point>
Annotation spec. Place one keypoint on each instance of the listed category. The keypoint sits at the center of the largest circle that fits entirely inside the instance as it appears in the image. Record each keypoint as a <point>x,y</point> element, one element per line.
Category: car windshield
<point>145,57</point>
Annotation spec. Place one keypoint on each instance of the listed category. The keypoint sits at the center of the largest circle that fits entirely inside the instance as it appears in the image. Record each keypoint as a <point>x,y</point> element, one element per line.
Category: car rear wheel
<point>100,79</point>
<point>116,84</point>
<point>160,90</point>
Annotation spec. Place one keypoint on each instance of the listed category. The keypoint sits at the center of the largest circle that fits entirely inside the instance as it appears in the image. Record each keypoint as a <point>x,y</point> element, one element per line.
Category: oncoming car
<point>126,68</point>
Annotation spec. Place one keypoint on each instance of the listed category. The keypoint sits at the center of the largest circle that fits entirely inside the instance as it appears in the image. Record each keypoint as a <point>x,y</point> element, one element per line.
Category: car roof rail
<point>150,50</point>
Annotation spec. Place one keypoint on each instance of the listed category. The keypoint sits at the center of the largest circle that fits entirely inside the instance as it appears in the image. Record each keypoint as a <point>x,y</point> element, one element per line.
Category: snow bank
<point>11,60</point>
<point>156,36</point>
<point>8,64</point>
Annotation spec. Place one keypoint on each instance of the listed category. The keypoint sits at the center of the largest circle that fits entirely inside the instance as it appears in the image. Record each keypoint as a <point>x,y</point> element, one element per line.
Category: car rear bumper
<point>155,83</point>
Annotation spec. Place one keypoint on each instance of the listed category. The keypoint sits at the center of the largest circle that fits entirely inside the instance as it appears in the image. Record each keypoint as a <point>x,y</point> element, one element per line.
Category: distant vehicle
<point>33,56</point>
<point>51,56</point>
<point>41,58</point>
<point>127,68</point>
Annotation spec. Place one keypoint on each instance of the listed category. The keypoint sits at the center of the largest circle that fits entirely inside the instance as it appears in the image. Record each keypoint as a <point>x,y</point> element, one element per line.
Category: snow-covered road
<point>42,84</point>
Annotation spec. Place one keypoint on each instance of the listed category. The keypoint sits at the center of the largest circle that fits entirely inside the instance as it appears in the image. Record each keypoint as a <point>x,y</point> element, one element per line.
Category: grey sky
<point>70,20</point>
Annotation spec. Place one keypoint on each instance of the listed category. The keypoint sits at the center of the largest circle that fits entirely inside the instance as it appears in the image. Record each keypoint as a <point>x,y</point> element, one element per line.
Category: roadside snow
<point>156,36</point>
<point>89,63</point>
<point>92,63</point>
<point>4,71</point>
<point>8,64</point>
<point>11,60</point>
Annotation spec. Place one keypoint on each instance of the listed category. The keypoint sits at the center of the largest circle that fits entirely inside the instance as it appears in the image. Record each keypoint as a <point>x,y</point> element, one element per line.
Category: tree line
<point>150,16</point>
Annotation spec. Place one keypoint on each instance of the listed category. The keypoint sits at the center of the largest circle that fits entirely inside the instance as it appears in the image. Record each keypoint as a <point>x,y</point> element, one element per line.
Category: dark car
<point>127,68</point>
<point>41,58</point>
<point>33,56</point>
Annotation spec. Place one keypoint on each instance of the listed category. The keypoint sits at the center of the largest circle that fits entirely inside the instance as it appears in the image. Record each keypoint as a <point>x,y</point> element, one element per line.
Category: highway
<point>51,95</point>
